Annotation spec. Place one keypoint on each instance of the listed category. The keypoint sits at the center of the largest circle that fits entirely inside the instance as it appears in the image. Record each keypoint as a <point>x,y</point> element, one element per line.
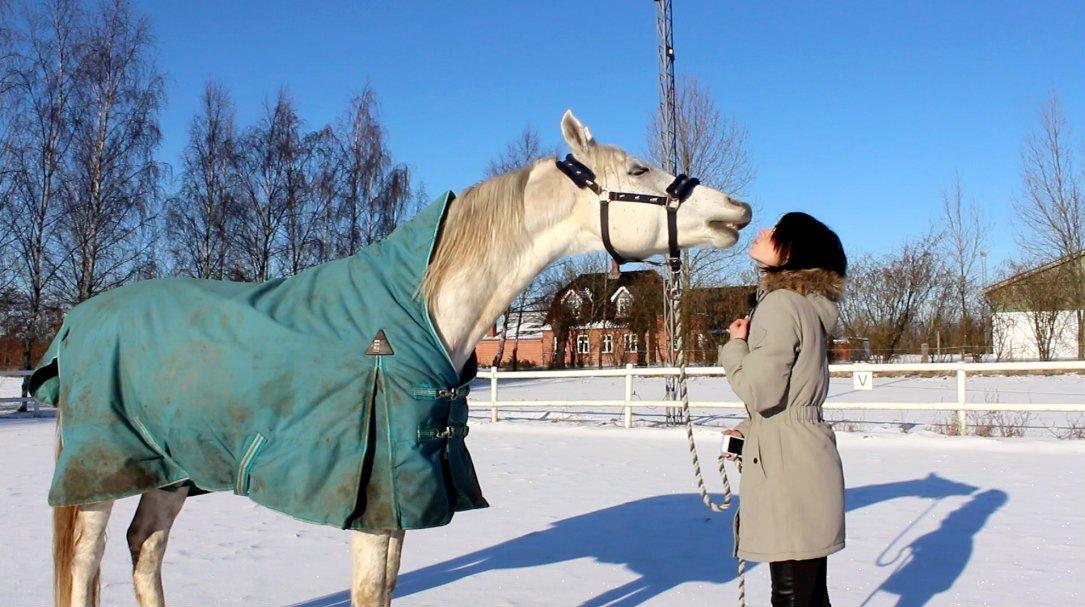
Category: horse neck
<point>464,309</point>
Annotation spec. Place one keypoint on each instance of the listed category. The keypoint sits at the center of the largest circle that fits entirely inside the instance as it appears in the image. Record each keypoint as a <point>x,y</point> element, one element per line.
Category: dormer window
<point>572,301</point>
<point>623,302</point>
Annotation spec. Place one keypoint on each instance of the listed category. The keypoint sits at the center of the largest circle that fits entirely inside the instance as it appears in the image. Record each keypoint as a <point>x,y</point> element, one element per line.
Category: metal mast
<point>667,109</point>
<point>669,140</point>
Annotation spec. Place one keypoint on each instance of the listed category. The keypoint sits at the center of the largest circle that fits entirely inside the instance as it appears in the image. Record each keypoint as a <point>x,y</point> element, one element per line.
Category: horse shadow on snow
<point>669,540</point>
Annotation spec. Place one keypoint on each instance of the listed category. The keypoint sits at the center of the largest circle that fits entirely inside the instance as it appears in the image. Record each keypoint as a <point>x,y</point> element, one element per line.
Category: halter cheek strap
<point>677,192</point>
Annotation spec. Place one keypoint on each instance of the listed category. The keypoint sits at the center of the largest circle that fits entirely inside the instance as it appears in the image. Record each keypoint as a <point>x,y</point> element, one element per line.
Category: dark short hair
<point>806,243</point>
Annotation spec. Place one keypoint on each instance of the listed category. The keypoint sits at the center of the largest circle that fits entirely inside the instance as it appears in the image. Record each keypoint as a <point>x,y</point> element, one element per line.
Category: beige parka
<point>792,487</point>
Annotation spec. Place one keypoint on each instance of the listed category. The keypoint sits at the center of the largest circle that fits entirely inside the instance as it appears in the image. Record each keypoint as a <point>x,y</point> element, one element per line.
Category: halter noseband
<point>677,192</point>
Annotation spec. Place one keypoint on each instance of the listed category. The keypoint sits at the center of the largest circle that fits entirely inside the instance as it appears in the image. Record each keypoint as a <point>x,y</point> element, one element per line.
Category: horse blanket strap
<point>677,192</point>
<point>304,393</point>
<point>428,393</point>
<point>446,433</point>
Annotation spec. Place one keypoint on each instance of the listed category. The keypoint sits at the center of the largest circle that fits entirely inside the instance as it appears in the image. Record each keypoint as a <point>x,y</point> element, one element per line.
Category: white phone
<point>732,445</point>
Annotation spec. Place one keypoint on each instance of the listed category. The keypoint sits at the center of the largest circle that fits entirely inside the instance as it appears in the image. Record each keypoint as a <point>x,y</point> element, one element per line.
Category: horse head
<point>705,217</point>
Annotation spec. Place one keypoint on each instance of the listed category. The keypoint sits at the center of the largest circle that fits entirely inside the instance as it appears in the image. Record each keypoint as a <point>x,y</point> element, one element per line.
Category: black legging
<point>799,583</point>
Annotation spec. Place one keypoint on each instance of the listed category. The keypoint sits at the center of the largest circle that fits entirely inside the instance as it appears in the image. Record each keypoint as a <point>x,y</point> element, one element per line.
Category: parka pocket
<point>244,466</point>
<point>751,456</point>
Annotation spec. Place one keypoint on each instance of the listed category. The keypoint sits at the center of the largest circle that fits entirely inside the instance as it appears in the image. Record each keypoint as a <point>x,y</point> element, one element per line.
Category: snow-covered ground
<point>596,515</point>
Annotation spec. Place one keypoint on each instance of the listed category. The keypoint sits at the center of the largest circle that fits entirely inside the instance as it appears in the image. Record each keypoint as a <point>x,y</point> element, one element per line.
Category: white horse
<point>531,217</point>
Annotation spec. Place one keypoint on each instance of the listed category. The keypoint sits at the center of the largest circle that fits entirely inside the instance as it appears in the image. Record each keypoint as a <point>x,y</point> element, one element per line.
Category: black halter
<point>677,192</point>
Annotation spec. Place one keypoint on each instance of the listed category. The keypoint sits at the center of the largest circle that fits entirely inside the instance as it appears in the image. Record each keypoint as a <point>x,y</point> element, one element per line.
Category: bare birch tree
<point>963,243</point>
<point>301,223</point>
<point>375,190</point>
<point>262,179</point>
<point>1051,220</point>
<point>111,187</point>
<point>324,176</point>
<point>8,112</point>
<point>202,216</point>
<point>43,71</point>
<point>277,199</point>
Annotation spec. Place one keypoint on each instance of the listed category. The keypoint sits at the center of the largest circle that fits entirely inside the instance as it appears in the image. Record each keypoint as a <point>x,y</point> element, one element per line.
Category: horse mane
<point>486,222</point>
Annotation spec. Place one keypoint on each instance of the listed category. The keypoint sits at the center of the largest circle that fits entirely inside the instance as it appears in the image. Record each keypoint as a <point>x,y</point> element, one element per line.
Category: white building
<point>1036,311</point>
<point>1014,334</point>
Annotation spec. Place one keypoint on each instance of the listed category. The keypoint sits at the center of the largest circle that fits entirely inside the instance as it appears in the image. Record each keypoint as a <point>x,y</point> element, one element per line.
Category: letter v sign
<point>862,380</point>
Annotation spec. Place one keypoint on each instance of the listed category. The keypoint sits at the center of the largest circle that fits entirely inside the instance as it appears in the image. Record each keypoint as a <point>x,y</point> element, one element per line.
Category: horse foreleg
<point>391,564</point>
<point>147,537</point>
<point>375,557</point>
<point>88,544</point>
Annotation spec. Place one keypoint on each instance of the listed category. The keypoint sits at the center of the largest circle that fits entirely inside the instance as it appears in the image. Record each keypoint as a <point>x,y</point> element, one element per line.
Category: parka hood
<point>823,288</point>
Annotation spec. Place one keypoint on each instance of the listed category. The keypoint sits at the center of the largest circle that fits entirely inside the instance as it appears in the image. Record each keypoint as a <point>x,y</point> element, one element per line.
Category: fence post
<point>24,392</point>
<point>628,395</point>
<point>493,394</point>
<point>962,398</point>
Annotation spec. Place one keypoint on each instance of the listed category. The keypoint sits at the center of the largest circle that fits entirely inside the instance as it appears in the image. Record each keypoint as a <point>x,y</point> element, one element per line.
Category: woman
<point>791,514</point>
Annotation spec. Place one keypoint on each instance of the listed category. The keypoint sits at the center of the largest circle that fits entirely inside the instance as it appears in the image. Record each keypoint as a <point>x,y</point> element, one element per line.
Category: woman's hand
<point>740,328</point>
<point>731,432</point>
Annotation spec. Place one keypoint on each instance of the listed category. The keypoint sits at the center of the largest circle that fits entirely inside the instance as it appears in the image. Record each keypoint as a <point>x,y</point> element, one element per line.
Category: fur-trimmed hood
<point>805,282</point>
<point>822,288</point>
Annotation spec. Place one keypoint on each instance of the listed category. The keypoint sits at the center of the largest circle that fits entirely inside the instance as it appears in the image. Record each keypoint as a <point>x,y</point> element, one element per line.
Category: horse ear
<point>577,136</point>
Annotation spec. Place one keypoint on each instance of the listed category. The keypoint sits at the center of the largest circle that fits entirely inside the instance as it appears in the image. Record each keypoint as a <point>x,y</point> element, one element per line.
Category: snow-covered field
<point>593,515</point>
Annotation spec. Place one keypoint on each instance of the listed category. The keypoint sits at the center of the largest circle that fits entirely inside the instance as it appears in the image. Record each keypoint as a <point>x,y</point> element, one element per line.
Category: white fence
<point>32,404</point>
<point>629,372</point>
<point>627,404</point>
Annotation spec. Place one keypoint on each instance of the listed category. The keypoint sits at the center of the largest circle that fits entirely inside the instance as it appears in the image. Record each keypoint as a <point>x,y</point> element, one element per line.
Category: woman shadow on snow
<point>668,540</point>
<point>932,562</point>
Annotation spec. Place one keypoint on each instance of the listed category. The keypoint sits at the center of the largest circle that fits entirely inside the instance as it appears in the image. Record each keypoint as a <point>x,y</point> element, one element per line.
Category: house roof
<point>596,292</point>
<point>598,283</point>
<point>1034,271</point>
<point>531,327</point>
<point>599,291</point>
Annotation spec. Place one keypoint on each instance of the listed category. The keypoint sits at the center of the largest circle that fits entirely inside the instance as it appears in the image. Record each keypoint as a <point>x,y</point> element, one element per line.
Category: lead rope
<point>676,313</point>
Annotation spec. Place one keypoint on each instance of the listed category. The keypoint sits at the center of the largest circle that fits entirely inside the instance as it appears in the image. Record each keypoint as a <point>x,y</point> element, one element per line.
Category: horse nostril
<point>747,216</point>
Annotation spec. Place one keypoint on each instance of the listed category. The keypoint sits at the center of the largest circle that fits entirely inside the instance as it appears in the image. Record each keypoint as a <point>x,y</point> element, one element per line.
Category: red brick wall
<point>529,352</point>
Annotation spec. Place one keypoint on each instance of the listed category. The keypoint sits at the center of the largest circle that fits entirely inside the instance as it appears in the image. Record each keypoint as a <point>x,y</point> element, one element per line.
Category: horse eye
<point>638,170</point>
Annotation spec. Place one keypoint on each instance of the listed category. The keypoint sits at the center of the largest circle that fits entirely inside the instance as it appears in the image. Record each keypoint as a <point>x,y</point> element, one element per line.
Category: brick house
<point>523,341</point>
<point>608,319</point>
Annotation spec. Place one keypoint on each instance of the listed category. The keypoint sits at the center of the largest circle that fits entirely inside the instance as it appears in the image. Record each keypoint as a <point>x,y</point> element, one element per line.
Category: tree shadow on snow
<point>670,540</point>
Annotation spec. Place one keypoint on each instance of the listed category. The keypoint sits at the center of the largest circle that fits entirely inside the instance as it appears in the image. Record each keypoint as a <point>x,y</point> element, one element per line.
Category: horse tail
<point>64,522</point>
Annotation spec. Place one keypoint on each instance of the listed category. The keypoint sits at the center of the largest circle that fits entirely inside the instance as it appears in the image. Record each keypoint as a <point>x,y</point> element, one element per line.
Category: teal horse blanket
<point>326,395</point>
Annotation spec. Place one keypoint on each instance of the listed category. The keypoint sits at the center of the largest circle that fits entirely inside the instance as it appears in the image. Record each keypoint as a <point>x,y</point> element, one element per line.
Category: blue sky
<point>858,112</point>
